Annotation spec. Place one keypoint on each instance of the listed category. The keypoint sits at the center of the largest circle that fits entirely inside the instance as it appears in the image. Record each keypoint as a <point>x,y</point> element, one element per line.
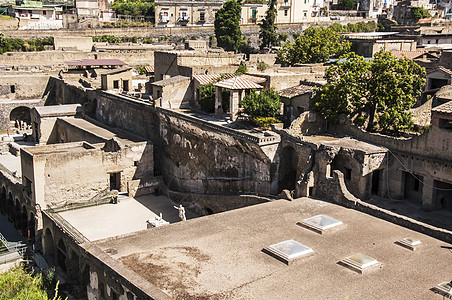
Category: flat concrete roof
<point>59,148</point>
<point>220,256</point>
<point>59,110</point>
<point>129,215</point>
<point>345,142</point>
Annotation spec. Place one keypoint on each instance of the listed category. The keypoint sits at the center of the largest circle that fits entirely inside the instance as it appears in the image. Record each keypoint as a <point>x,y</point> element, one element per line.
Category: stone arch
<point>31,227</point>
<point>24,221</point>
<point>20,113</point>
<point>288,169</point>
<point>73,267</point>
<point>16,215</point>
<point>10,205</point>
<point>84,281</point>
<point>3,199</point>
<point>351,170</point>
<point>62,255</point>
<point>49,245</point>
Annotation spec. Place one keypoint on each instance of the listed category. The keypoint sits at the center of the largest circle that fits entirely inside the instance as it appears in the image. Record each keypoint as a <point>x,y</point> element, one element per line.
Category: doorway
<point>115,181</point>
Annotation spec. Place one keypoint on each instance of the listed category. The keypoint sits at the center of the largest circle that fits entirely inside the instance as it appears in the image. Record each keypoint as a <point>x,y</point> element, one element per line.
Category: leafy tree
<point>134,7</point>
<point>378,93</point>
<point>263,104</point>
<point>315,45</point>
<point>227,28</point>
<point>207,97</point>
<point>419,13</point>
<point>346,4</point>
<point>17,284</point>
<point>267,32</point>
<point>262,66</point>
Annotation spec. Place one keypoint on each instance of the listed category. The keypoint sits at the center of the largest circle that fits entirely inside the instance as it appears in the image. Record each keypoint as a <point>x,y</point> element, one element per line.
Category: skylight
<point>320,223</point>
<point>359,262</point>
<point>288,250</point>
<point>409,242</point>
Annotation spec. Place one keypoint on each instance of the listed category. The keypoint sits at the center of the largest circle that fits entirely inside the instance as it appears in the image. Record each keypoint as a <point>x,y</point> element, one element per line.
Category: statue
<point>181,210</point>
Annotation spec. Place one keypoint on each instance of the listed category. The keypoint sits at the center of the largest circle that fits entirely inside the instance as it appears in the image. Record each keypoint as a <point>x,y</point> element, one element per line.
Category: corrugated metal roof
<point>238,83</point>
<point>96,62</point>
<point>149,69</point>
<point>445,108</point>
<point>210,78</point>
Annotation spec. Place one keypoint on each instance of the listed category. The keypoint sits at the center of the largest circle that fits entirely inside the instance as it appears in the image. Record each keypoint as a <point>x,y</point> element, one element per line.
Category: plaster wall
<point>80,43</point>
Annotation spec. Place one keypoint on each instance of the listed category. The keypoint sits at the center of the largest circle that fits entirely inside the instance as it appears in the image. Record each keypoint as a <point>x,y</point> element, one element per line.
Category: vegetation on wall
<point>10,45</point>
<point>227,28</point>
<point>375,95</point>
<point>362,26</point>
<point>315,45</point>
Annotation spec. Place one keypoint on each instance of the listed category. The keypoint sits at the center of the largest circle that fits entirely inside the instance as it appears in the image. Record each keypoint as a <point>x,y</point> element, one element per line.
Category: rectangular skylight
<point>321,222</point>
<point>289,249</point>
<point>410,241</point>
<point>445,287</point>
<point>360,261</point>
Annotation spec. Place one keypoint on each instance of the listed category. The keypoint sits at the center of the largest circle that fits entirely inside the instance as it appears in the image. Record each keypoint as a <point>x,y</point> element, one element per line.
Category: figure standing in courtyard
<point>181,210</point>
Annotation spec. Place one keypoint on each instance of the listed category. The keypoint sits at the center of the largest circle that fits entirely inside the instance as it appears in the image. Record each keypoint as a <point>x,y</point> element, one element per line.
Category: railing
<point>78,237</point>
<point>10,248</point>
<point>265,140</point>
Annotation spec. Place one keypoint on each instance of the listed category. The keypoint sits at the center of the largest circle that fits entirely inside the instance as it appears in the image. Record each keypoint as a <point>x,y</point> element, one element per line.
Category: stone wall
<point>80,43</point>
<point>189,154</point>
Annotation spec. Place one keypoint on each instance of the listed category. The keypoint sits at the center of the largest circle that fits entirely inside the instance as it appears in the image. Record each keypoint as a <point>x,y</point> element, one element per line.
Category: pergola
<point>237,87</point>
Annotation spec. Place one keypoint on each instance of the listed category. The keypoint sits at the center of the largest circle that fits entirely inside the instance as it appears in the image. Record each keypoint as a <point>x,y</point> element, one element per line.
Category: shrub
<point>262,66</point>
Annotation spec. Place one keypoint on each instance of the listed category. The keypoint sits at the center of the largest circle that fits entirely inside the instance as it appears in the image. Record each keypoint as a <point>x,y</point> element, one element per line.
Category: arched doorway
<point>17,214</point>
<point>74,267</point>
<point>49,246</point>
<point>288,169</point>
<point>84,282</point>
<point>62,255</point>
<point>20,114</point>
<point>24,221</point>
<point>4,200</point>
<point>31,227</point>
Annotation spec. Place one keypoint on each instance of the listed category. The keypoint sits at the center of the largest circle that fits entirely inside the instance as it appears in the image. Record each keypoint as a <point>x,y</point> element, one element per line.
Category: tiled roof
<point>297,90</point>
<point>96,62</point>
<point>441,68</point>
<point>445,108</point>
<point>149,69</point>
<point>210,78</point>
<point>238,83</point>
<point>407,54</point>
<point>255,79</point>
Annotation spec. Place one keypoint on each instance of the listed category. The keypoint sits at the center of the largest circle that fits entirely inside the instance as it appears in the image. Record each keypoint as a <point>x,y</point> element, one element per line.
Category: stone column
<point>234,104</point>
<point>218,108</point>
<point>428,202</point>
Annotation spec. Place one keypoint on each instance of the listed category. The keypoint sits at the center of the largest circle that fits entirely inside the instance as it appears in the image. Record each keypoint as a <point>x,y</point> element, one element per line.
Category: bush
<point>283,37</point>
<point>242,69</point>
<point>261,66</point>
<point>263,104</point>
<point>207,97</point>
<point>264,122</point>
<point>141,69</point>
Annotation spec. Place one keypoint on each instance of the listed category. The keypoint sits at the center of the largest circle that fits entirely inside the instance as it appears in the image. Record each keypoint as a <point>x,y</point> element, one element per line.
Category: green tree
<point>267,33</point>
<point>207,97</point>
<point>266,103</point>
<point>315,45</point>
<point>227,28</point>
<point>418,13</point>
<point>17,284</point>
<point>134,7</point>
<point>346,4</point>
<point>242,69</point>
<point>376,94</point>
